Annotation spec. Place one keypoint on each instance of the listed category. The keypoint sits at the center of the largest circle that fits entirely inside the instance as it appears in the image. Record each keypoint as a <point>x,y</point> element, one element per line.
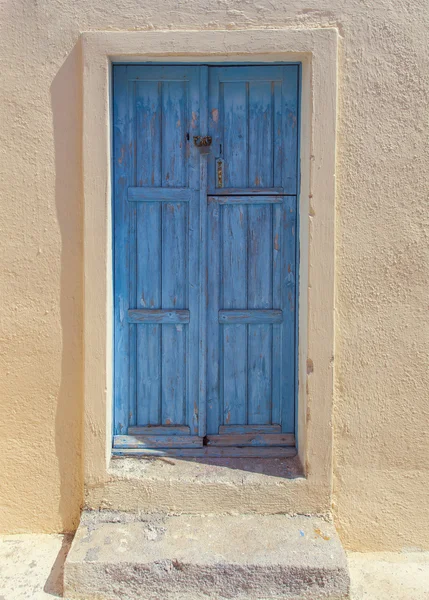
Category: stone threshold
<point>209,485</point>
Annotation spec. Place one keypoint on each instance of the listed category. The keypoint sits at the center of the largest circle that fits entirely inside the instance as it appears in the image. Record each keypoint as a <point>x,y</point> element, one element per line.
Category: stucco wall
<point>382,337</point>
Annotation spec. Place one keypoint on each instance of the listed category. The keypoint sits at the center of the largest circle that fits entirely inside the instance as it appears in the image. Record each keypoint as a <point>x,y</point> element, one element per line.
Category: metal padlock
<point>202,141</point>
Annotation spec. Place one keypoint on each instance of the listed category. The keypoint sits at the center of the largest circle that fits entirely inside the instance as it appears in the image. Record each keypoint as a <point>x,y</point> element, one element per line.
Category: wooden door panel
<point>157,288</point>
<point>254,126</point>
<point>251,312</point>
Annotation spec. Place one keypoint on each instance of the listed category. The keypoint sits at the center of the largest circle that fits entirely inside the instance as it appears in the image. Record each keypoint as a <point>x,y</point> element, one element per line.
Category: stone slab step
<point>190,557</point>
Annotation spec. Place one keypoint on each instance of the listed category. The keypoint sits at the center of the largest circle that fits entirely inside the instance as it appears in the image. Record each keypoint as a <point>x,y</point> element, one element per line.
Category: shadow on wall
<point>66,102</point>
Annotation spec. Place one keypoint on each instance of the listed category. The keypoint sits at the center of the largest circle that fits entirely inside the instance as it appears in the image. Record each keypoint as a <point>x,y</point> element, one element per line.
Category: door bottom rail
<point>254,444</point>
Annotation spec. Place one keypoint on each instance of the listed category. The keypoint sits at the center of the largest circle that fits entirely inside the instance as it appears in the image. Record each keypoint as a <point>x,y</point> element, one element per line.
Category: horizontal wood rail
<point>247,191</point>
<point>157,441</point>
<point>255,200</point>
<point>159,430</point>
<point>252,439</point>
<point>256,316</point>
<point>210,452</point>
<point>159,194</point>
<point>163,317</point>
<point>236,429</point>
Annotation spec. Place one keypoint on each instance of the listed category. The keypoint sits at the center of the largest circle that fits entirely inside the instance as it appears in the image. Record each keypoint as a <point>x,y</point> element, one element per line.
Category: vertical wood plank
<point>203,275</point>
<point>215,358</point>
<point>277,243</point>
<point>260,134</point>
<point>215,120</point>
<point>235,126</point>
<point>214,394</point>
<point>148,130</point>
<point>278,150</point>
<point>132,290</point>
<point>174,295</point>
<point>149,296</point>
<point>259,296</point>
<point>288,334</point>
<point>234,273</point>
<point>122,156</point>
<point>148,174</point>
<point>193,111</point>
<point>174,252</point>
<point>290,128</point>
<point>174,159</point>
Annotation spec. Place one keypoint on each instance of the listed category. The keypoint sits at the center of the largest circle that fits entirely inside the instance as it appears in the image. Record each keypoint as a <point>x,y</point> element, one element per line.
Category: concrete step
<point>191,557</point>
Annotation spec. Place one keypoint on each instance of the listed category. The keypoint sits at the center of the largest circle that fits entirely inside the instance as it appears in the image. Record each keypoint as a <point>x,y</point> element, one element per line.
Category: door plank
<point>289,347</point>
<point>149,299</point>
<point>148,276</point>
<point>158,316</point>
<point>277,253</point>
<point>211,452</point>
<point>157,441</point>
<point>246,73</point>
<point>234,271</point>
<point>214,339</point>
<point>290,129</point>
<point>201,265</point>
<point>258,200</point>
<point>148,272</point>
<point>256,316</point>
<point>235,134</point>
<point>148,134</point>
<point>146,194</point>
<point>251,439</point>
<point>235,429</point>
<point>174,342</point>
<point>160,430</point>
<point>132,258</point>
<point>174,130</point>
<point>122,170</point>
<point>246,191</point>
<point>174,251</point>
<point>261,130</point>
<point>260,299</point>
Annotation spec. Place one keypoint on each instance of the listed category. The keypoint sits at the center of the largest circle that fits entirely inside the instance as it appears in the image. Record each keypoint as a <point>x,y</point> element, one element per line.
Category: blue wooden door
<point>204,259</point>
<point>252,255</point>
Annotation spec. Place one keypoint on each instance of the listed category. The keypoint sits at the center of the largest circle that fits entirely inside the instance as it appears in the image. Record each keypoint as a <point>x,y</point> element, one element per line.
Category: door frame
<point>316,50</point>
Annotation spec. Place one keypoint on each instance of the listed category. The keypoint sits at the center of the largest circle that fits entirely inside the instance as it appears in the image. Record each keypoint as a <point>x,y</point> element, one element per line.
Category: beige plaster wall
<point>381,459</point>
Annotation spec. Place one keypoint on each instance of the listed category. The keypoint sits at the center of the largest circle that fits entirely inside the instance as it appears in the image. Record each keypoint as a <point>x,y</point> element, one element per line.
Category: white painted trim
<point>316,49</point>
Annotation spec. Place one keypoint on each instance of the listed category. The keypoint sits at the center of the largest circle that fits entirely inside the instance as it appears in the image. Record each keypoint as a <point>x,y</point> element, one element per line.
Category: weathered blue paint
<point>254,127</point>
<point>251,439</point>
<point>202,286</point>
<point>205,255</point>
<point>238,429</point>
<point>252,246</point>
<point>143,194</point>
<point>158,316</point>
<point>159,430</point>
<point>210,452</point>
<point>158,441</point>
<point>156,221</point>
<point>249,317</point>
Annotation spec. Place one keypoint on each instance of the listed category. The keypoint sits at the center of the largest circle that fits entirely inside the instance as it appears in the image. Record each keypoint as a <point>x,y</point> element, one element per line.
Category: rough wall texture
<point>382,337</point>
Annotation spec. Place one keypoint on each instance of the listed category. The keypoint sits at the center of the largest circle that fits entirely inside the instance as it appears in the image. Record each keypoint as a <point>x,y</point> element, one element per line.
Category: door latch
<point>202,140</point>
<point>219,172</point>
